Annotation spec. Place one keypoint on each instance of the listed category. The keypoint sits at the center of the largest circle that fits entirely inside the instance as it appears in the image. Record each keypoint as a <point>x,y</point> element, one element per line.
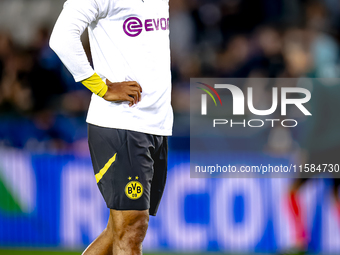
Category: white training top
<point>129,42</point>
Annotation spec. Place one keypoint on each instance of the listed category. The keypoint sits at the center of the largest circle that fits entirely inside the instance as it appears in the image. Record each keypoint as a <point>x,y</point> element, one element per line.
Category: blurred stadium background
<point>48,196</point>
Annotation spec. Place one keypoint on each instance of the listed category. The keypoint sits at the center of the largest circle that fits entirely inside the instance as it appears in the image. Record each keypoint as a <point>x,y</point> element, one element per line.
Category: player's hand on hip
<point>123,91</point>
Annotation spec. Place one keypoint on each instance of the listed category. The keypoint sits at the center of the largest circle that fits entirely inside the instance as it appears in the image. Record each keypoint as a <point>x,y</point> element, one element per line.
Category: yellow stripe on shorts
<point>102,171</point>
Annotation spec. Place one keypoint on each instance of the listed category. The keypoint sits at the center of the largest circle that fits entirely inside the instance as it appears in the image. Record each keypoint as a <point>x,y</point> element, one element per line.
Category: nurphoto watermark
<point>261,128</point>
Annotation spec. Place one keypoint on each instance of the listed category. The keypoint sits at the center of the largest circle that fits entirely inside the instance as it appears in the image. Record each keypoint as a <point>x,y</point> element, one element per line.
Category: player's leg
<point>124,168</point>
<point>102,245</point>
<point>129,230</point>
<point>103,144</point>
<point>129,227</point>
<point>124,234</point>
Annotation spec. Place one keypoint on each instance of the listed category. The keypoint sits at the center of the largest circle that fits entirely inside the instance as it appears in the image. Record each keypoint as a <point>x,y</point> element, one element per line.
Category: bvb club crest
<point>134,189</point>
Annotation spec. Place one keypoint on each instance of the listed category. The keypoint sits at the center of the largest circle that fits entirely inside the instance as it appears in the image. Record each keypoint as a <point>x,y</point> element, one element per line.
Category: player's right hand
<point>123,91</point>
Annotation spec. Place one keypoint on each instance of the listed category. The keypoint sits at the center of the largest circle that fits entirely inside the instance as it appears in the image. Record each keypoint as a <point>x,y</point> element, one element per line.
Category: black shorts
<point>130,167</point>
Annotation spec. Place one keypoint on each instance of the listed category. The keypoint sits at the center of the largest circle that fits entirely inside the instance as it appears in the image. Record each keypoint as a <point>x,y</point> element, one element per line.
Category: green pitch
<point>40,252</point>
<point>22,252</point>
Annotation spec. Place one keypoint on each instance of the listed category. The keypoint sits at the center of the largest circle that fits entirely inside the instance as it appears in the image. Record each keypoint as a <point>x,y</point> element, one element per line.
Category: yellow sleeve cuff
<point>95,84</point>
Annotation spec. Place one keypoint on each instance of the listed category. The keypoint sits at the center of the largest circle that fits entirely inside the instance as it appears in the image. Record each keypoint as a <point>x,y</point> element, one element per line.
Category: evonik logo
<point>133,26</point>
